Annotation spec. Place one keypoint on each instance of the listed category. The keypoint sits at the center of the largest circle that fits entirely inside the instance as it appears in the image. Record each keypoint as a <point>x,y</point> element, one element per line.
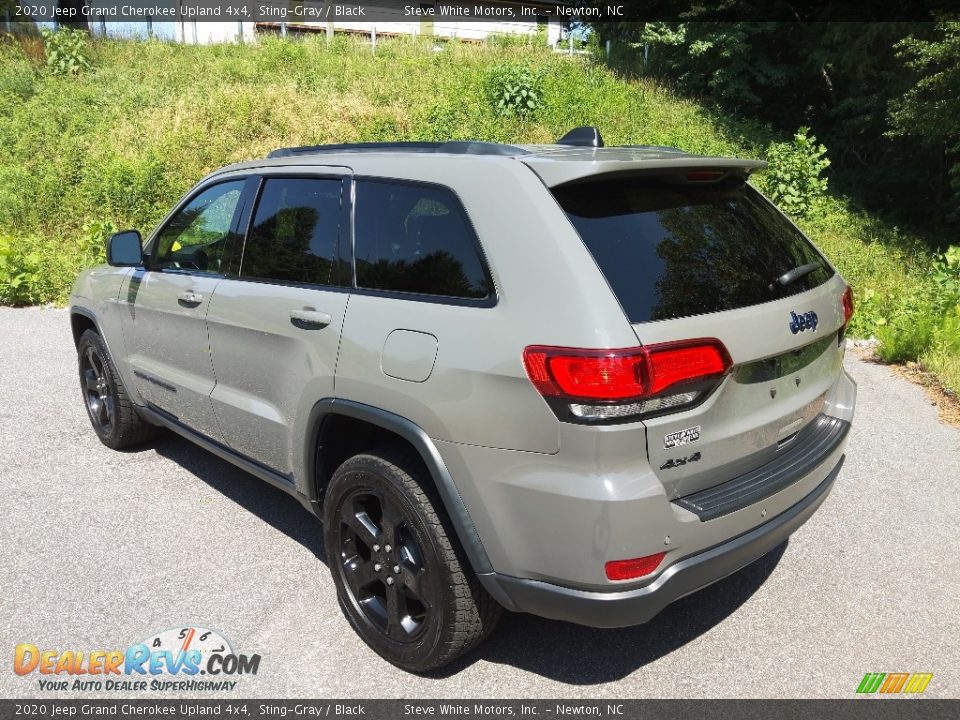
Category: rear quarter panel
<point>549,291</point>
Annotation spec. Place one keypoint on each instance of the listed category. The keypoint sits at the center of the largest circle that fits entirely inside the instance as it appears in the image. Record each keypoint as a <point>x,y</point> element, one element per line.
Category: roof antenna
<point>582,137</point>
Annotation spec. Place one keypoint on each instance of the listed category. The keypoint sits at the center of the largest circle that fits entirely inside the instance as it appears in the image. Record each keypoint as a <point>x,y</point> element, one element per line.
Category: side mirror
<point>125,249</point>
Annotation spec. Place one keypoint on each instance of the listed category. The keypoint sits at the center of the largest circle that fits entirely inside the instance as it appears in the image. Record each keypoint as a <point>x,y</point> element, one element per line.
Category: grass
<point>117,145</point>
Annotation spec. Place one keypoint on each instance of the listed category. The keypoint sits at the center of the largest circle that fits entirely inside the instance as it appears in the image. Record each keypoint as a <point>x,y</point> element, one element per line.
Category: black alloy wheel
<point>98,391</point>
<point>383,566</point>
<point>402,578</point>
<point>113,415</point>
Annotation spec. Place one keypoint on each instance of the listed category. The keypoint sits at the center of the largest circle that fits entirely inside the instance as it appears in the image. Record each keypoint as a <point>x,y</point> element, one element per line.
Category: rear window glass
<point>671,251</point>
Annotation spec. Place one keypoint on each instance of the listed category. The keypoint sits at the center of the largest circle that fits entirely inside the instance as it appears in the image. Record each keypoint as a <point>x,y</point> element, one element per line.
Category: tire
<point>401,575</point>
<point>113,416</point>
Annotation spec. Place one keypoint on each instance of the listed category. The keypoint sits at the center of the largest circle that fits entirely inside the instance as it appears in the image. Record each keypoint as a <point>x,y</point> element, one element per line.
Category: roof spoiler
<point>586,136</point>
<point>695,169</point>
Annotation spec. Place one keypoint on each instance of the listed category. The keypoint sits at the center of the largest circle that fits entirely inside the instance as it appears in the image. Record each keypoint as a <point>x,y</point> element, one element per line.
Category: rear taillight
<point>586,374</point>
<point>847,302</point>
<point>612,385</point>
<point>633,569</point>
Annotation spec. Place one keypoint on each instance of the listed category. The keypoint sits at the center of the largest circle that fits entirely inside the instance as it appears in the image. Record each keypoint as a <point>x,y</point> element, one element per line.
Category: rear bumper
<point>638,605</point>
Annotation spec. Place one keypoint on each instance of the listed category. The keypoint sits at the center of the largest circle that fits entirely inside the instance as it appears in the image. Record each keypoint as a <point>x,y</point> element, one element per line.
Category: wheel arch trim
<point>425,447</point>
<point>92,317</point>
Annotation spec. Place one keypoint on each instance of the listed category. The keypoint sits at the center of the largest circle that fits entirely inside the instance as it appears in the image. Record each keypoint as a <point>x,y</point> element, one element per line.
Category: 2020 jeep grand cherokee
<point>569,380</point>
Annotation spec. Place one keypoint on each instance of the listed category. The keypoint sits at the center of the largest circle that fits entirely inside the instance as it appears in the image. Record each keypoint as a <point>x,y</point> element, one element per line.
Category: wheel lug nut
<point>389,581</point>
<point>396,569</point>
<point>377,566</point>
<point>388,548</point>
<point>376,548</point>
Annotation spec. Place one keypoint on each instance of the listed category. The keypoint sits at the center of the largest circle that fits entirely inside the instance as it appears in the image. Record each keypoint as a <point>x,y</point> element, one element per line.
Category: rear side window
<point>670,251</point>
<point>294,233</point>
<point>416,239</point>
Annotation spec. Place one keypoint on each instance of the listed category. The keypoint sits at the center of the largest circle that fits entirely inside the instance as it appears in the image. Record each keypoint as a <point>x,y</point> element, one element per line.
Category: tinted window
<point>195,238</point>
<point>670,251</point>
<point>294,233</point>
<point>416,239</point>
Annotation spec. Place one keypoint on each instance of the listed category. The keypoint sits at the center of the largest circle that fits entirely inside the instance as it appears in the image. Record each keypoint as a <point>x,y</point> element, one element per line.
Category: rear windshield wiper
<point>791,276</point>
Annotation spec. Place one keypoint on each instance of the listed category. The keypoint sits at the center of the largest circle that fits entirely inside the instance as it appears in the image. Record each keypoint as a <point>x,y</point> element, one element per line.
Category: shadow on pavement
<point>560,651</point>
<point>588,656</point>
<point>251,493</point>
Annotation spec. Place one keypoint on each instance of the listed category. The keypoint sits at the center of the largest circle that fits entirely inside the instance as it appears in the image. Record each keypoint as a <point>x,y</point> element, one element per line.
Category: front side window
<point>196,237</point>
<point>294,233</point>
<point>416,239</point>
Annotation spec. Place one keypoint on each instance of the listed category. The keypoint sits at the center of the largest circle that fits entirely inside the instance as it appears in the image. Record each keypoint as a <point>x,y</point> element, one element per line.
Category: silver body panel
<point>266,366</point>
<point>168,346</point>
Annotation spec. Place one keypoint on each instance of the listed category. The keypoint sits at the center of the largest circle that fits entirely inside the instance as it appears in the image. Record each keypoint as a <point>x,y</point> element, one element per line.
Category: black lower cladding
<point>807,450</point>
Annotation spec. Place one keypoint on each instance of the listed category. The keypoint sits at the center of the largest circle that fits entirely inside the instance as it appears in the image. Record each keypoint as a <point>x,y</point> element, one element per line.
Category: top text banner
<point>384,12</point>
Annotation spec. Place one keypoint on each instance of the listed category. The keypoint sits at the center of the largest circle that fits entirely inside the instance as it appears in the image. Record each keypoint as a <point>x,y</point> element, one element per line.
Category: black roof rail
<point>586,136</point>
<point>454,147</point>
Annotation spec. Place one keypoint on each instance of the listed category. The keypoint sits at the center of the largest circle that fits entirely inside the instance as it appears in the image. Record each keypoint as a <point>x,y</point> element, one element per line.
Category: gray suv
<point>570,380</point>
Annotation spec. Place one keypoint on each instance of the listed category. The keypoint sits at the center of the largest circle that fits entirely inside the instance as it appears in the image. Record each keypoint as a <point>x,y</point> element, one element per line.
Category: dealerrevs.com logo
<point>181,659</point>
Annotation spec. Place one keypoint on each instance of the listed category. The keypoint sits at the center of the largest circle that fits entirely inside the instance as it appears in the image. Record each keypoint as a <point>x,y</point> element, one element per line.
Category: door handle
<point>310,319</point>
<point>190,299</point>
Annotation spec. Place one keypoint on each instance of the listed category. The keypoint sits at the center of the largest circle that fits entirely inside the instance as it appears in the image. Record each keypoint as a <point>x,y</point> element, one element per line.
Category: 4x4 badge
<point>804,321</point>
<point>677,462</point>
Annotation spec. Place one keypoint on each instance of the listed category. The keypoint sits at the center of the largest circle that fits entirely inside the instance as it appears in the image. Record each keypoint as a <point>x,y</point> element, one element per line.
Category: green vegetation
<point>795,177</point>
<point>929,112</point>
<point>66,50</point>
<point>884,97</point>
<point>514,89</point>
<point>115,145</point>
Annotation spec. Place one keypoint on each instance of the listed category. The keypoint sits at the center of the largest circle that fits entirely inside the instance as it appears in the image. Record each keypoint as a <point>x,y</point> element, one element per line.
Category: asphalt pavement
<point>100,549</point>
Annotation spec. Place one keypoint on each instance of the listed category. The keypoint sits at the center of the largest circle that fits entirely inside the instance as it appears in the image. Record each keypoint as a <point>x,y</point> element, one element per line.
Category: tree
<point>930,109</point>
<point>839,79</point>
